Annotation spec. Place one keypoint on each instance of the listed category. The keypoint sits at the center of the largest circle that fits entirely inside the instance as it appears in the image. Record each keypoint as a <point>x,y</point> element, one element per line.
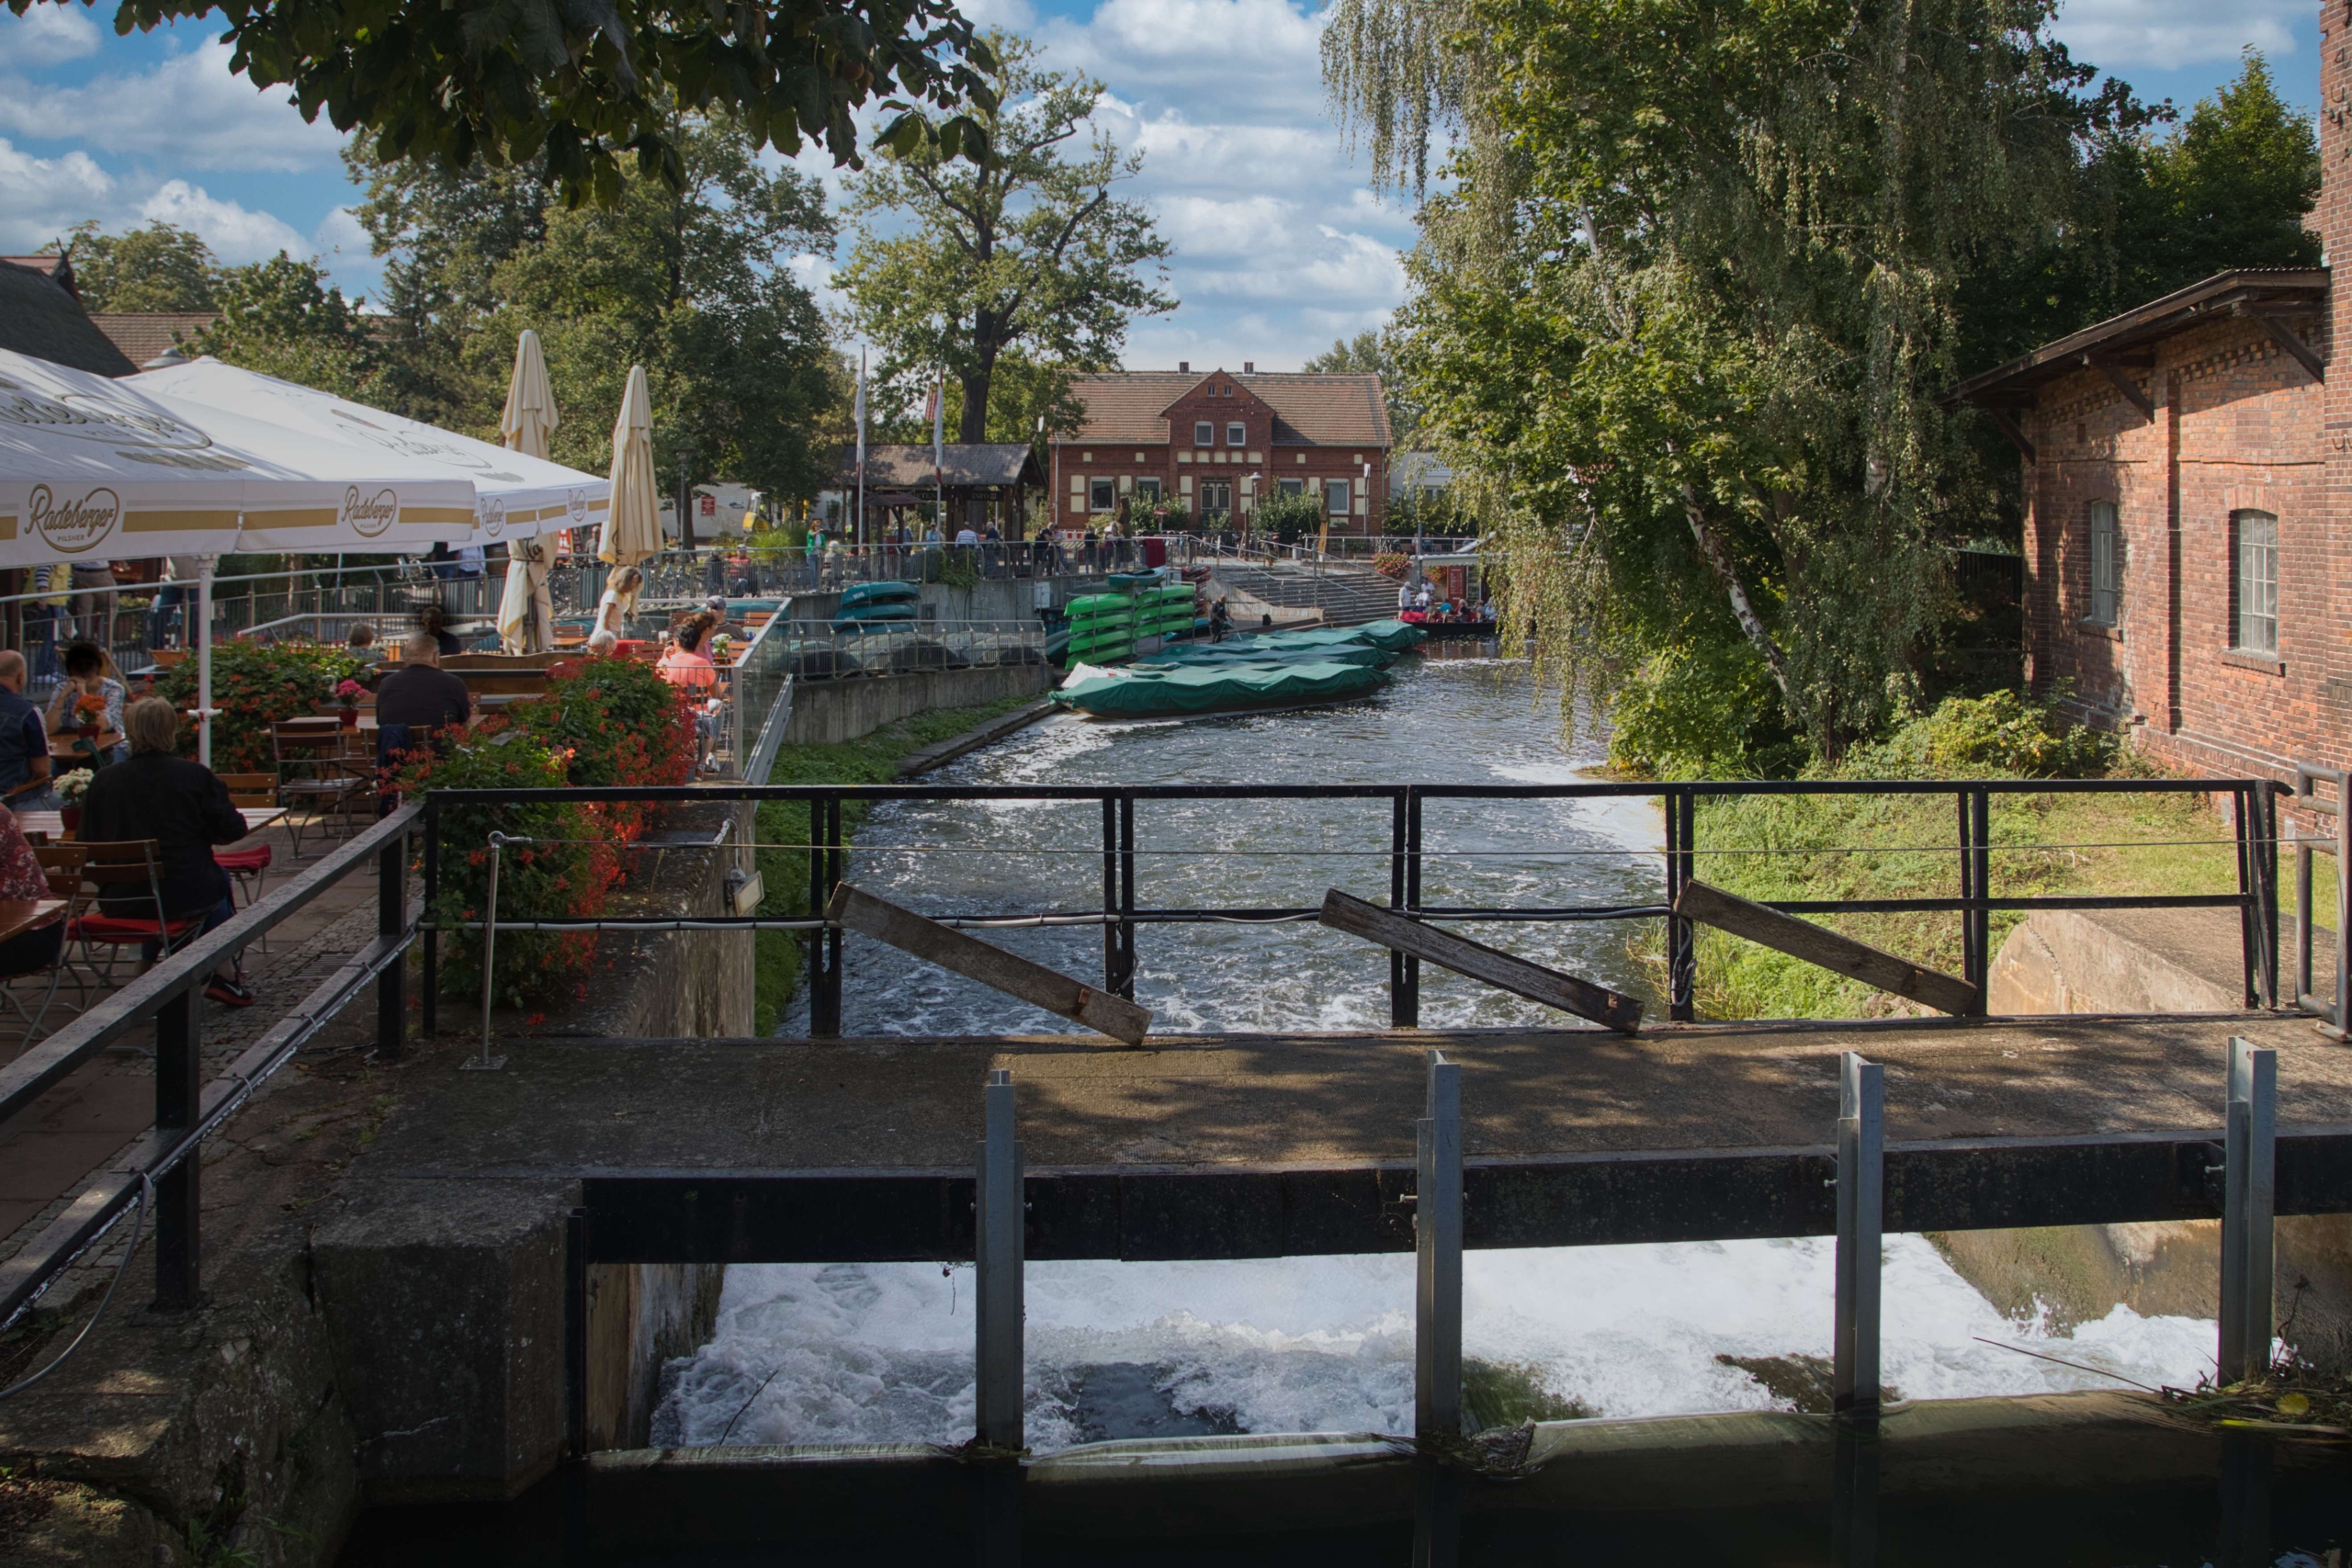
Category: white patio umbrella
<point>526,611</point>
<point>93,469</point>
<point>633,528</point>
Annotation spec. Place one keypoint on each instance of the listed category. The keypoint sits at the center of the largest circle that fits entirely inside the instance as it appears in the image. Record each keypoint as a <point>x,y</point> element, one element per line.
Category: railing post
<point>429,980</point>
<point>575,1333</point>
<point>1437,1239</point>
<point>1854,1387</point>
<point>998,1246</point>
<point>1681,938</point>
<point>179,1041</point>
<point>1110,893</point>
<point>1397,1012</point>
<point>1412,1007</point>
<point>1976,886</point>
<point>391,923</point>
<point>2242,832</point>
<point>1126,987</point>
<point>486,1063</point>
<point>2248,1204</point>
<point>2266,862</point>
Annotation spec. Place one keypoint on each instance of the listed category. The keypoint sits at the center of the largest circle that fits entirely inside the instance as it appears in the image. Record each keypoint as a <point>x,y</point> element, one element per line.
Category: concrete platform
<point>573,1107</point>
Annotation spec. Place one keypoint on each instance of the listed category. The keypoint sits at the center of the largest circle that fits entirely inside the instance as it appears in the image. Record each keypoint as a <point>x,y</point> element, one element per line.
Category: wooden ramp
<point>1818,944</point>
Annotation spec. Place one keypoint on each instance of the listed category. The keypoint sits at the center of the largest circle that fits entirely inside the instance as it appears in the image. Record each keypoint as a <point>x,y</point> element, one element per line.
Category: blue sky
<point>1281,245</point>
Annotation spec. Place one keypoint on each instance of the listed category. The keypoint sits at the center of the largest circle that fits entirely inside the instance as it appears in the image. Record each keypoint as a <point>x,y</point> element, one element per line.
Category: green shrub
<point>1702,710</point>
<point>1289,517</point>
<point>2000,734</point>
<point>255,685</point>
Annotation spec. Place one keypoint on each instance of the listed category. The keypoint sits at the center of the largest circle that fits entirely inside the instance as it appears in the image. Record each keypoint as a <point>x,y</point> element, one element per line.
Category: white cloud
<point>47,35</point>
<point>190,111</point>
<point>235,233</point>
<point>2165,34</point>
<point>43,197</point>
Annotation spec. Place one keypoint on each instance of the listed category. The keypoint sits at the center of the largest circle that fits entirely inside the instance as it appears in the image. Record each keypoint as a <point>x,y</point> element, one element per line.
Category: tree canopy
<point>160,267</point>
<point>690,281</point>
<point>1371,354</point>
<point>572,86</point>
<point>1683,312</point>
<point>1011,273</point>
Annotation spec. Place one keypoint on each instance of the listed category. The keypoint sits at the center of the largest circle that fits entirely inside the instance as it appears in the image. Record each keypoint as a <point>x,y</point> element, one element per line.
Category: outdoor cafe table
<point>53,823</point>
<point>66,746</point>
<point>19,916</point>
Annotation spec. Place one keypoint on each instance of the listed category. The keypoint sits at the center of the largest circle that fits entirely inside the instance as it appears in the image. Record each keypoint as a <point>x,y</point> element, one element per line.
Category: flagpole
<point>938,458</point>
<point>857,530</point>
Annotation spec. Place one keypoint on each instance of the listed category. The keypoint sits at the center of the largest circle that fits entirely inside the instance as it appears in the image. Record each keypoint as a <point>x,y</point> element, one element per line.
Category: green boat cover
<point>1145,692</point>
<point>877,610</point>
<point>1388,638</point>
<point>1151,579</point>
<point>1214,656</point>
<point>879,593</point>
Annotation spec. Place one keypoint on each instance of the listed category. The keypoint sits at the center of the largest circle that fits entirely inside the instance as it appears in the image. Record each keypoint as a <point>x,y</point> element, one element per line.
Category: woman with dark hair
<point>686,662</point>
<point>88,673</point>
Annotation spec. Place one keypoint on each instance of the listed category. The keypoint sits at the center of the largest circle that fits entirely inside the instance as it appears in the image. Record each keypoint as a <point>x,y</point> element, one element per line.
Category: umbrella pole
<point>204,659</point>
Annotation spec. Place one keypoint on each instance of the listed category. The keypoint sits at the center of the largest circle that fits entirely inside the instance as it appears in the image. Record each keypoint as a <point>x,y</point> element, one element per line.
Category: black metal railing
<point>188,1110</point>
<point>2254,819</point>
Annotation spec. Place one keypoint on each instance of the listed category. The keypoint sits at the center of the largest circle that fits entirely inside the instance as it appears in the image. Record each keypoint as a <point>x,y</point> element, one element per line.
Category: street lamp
<point>686,501</point>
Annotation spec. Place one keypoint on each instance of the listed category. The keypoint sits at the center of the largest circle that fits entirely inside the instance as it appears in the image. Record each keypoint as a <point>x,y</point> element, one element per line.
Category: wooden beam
<point>1818,944</point>
<point>2285,337</point>
<point>2009,427</point>
<point>2123,384</point>
<point>1517,975</point>
<point>976,959</point>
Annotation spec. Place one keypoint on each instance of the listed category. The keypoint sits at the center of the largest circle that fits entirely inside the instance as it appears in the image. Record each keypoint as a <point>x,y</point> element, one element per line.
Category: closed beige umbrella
<point>633,528</point>
<point>530,419</point>
<point>526,611</point>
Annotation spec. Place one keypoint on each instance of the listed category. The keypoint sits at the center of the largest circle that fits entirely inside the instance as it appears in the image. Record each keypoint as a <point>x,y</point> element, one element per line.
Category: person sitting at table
<point>361,645</point>
<point>434,623</point>
<point>603,645</point>
<point>24,741</point>
<point>420,694</point>
<point>185,807</point>
<point>88,673</point>
<point>21,877</point>
<point>686,662</point>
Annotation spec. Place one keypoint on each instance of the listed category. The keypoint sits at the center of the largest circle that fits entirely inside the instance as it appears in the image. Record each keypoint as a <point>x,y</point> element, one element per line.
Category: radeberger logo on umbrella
<point>491,516</point>
<point>368,515</point>
<point>73,524</point>
<point>577,502</point>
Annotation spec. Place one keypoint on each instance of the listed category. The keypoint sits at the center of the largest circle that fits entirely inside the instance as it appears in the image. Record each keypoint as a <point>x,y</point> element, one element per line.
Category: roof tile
<point>1309,409</point>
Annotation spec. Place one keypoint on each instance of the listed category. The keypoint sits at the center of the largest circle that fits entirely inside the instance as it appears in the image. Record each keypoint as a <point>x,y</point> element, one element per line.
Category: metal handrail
<point>187,1111</point>
<point>2254,821</point>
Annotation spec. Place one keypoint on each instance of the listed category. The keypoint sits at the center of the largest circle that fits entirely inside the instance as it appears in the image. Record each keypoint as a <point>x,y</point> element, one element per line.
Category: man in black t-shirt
<point>420,694</point>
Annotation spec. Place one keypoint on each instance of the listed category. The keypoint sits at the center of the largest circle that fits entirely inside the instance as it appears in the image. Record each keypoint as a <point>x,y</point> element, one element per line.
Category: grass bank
<point>1770,848</point>
<point>784,871</point>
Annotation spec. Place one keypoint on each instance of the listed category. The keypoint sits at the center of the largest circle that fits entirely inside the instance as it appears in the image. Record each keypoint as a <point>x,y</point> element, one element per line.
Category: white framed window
<point>2254,536</point>
<point>1291,486</point>
<point>1101,495</point>
<point>2106,565</point>
<point>1335,497</point>
<point>1205,433</point>
<point>1236,435</point>
<point>1148,489</point>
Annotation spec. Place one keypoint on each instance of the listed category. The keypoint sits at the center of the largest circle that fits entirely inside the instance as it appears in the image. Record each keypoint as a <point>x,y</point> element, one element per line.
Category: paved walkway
<point>80,1126</point>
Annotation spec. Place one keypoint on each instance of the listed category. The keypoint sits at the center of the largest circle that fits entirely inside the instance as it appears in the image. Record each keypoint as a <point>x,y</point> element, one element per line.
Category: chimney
<point>1248,367</point>
<point>1184,368</point>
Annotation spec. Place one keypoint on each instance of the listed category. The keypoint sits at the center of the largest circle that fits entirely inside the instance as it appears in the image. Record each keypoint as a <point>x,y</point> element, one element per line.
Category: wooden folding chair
<point>131,864</point>
<point>248,866</point>
<point>311,770</point>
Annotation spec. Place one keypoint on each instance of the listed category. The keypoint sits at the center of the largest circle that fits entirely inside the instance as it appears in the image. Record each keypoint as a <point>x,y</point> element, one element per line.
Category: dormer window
<point>1204,434</point>
<point>1236,435</point>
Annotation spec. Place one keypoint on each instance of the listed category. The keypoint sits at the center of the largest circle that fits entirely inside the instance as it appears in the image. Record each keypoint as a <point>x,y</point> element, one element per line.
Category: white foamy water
<point>883,1353</point>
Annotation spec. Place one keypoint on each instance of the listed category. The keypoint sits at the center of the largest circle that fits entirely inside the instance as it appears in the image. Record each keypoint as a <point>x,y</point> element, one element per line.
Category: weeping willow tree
<point>1681,314</point>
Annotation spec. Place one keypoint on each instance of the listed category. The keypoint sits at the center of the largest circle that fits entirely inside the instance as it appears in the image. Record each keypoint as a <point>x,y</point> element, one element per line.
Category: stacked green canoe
<point>1164,612</point>
<point>1102,629</point>
<point>876,606</point>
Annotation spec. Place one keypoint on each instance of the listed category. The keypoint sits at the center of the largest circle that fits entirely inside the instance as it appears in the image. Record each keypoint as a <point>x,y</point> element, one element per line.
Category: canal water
<point>882,1353</point>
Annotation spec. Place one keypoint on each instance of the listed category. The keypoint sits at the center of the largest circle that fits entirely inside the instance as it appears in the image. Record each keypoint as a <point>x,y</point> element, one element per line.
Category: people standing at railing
<point>90,673</point>
<point>183,806</point>
<point>42,616</point>
<point>168,617</point>
<point>93,605</point>
<point>24,741</point>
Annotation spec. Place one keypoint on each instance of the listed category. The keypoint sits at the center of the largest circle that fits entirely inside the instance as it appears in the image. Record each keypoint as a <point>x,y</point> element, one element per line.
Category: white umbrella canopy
<point>633,528</point>
<point>526,610</point>
<point>529,420</point>
<point>95,468</point>
<point>516,495</point>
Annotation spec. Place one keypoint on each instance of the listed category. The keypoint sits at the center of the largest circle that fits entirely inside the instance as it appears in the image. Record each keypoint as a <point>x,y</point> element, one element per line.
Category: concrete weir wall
<point>826,712</point>
<point>2149,961</point>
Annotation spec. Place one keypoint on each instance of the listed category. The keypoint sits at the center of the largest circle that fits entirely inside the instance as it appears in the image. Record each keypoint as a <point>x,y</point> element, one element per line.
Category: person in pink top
<point>686,661</point>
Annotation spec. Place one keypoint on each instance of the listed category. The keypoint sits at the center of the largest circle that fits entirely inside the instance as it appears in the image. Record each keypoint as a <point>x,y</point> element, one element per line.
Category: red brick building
<point>1221,443</point>
<point>2187,470</point>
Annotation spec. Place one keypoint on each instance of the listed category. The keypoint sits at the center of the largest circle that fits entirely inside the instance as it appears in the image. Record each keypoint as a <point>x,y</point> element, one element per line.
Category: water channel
<point>882,1353</point>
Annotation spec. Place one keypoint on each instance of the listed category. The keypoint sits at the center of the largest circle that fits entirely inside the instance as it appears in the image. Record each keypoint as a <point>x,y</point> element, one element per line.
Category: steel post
<point>179,1047</point>
<point>997,1247</point>
<point>1437,1237</point>
<point>1681,936</point>
<point>1126,987</point>
<point>391,925</point>
<point>2249,1202</point>
<point>486,1063</point>
<point>1854,1389</point>
<point>429,981</point>
<point>1397,1009</point>
<point>1412,1007</point>
<point>1110,893</point>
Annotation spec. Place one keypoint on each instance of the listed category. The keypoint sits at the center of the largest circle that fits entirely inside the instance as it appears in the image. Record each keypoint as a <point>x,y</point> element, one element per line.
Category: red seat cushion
<point>118,928</point>
<point>242,860</point>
